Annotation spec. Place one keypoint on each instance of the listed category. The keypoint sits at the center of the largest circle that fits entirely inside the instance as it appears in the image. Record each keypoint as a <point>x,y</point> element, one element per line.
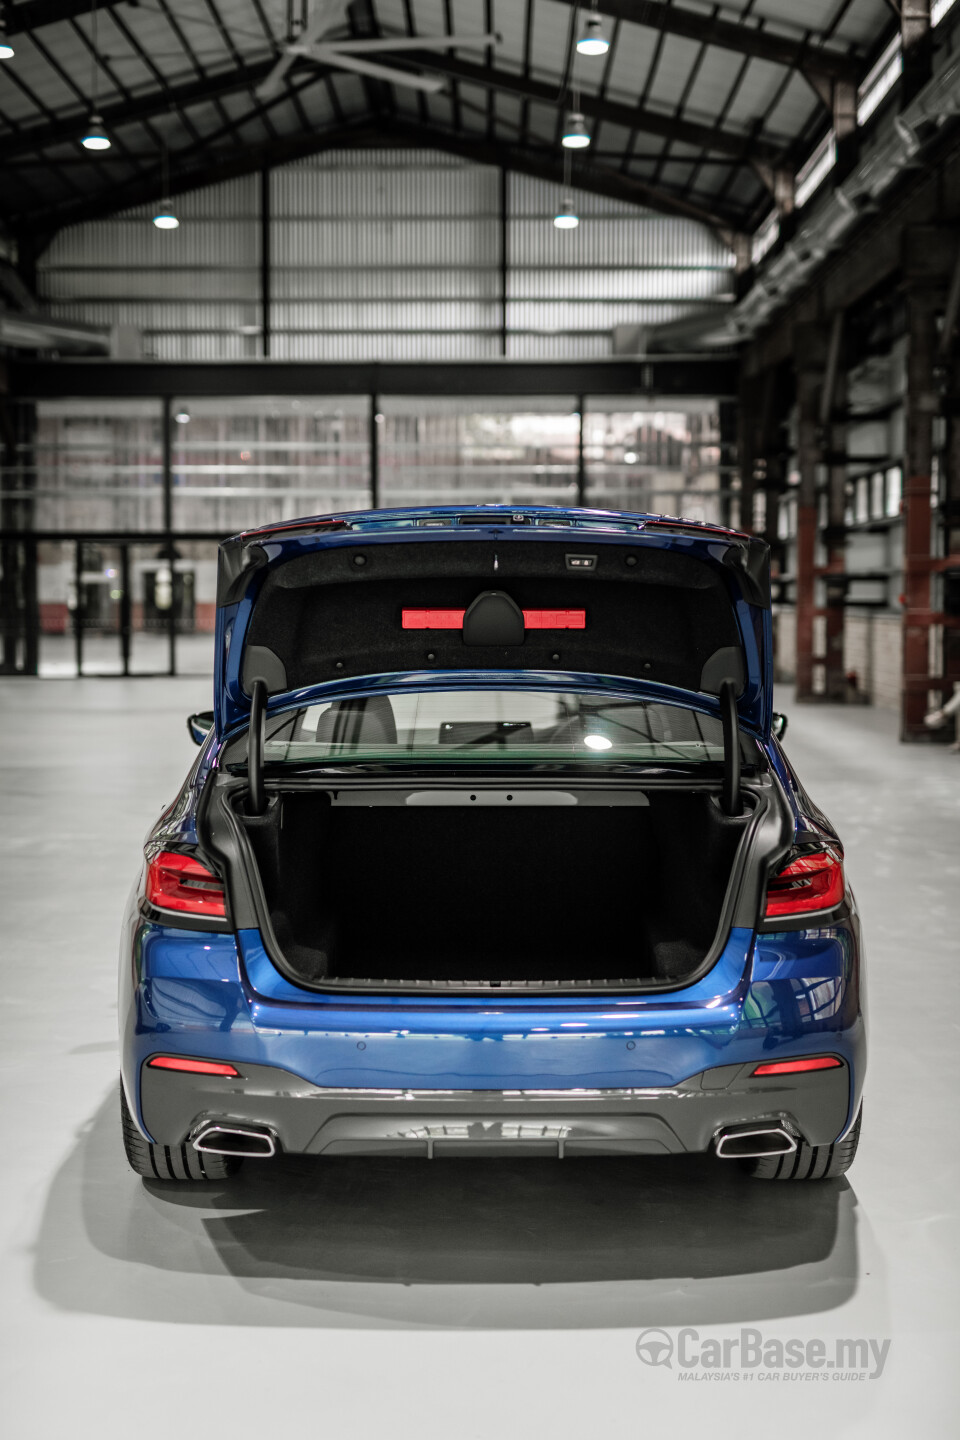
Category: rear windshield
<point>488,725</point>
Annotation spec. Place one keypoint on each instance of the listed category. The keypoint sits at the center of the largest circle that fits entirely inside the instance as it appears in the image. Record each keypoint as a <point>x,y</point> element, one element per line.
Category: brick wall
<point>858,651</point>
<point>887,652</point>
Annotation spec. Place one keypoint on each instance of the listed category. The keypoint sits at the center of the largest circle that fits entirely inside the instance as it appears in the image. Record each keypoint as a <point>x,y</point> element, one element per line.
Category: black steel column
<point>19,611</point>
<point>78,608</point>
<point>374,452</point>
<point>265,262</point>
<point>31,610</point>
<point>126,608</point>
<point>167,423</point>
<point>504,260</point>
<point>747,448</point>
<point>581,458</point>
<point>728,457</point>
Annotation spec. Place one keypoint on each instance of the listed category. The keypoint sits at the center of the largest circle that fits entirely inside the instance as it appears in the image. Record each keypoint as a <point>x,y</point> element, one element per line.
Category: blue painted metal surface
<point>220,997</point>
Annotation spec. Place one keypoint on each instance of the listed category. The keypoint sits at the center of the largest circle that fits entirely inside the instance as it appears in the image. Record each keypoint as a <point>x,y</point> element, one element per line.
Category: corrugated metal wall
<point>385,255</point>
<point>191,291</point>
<point>569,288</point>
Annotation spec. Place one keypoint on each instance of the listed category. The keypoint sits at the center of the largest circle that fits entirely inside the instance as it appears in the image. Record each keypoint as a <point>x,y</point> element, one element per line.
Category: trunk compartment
<point>436,887</point>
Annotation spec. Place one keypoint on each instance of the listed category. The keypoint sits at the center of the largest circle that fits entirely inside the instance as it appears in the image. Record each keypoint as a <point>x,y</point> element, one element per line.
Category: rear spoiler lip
<point>511,516</point>
<point>579,682</point>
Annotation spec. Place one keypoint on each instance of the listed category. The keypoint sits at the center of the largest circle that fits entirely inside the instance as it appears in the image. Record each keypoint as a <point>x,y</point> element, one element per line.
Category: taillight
<point>808,882</point>
<point>797,1067</point>
<point>179,882</point>
<point>192,1067</point>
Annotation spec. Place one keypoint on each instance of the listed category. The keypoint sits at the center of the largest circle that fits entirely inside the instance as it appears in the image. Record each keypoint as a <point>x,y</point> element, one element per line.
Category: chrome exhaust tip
<point>749,1142</point>
<point>235,1140</point>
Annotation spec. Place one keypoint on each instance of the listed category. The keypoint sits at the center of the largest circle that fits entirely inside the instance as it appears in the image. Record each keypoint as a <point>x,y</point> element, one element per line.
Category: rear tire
<point>170,1162</point>
<point>809,1162</point>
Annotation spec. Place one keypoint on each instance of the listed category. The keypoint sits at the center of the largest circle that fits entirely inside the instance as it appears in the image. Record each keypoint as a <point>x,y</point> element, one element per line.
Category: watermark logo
<point>655,1347</point>
<point>753,1356</point>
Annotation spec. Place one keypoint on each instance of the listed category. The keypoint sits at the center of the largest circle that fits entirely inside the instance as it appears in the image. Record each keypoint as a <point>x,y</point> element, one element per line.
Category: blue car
<point>491,848</point>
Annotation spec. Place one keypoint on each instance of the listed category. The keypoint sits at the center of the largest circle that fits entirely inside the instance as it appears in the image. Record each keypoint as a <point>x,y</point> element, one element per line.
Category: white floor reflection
<point>464,1243</point>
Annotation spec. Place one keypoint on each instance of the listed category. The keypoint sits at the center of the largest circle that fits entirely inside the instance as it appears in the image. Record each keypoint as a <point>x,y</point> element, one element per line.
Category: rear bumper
<point>341,1074</point>
<point>318,1120</point>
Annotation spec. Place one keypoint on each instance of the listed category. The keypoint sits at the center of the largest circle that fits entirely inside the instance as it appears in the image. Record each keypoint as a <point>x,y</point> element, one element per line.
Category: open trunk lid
<point>668,603</point>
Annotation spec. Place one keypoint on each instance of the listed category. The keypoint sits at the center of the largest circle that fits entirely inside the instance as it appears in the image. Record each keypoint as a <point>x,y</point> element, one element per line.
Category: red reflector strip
<point>532,619</point>
<point>555,619</point>
<point>192,1067</point>
<point>795,1067</point>
<point>433,619</point>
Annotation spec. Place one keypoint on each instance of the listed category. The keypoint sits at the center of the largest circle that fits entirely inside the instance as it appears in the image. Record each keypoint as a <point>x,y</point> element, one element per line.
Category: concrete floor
<point>472,1298</point>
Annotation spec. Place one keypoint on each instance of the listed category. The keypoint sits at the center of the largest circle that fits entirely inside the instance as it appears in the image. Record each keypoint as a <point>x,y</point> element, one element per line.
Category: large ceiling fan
<point>348,54</point>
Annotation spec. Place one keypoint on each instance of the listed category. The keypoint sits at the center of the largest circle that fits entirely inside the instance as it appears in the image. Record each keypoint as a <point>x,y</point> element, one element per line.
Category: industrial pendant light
<point>6,49</point>
<point>566,217</point>
<point>593,41</point>
<point>95,136</point>
<point>165,219</point>
<point>575,135</point>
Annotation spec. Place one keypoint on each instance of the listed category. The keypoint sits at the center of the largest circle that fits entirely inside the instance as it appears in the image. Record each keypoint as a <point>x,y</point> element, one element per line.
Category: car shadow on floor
<point>464,1243</point>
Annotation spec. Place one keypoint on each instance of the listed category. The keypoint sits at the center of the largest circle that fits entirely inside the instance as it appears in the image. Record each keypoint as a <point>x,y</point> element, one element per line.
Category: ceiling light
<point>182,417</point>
<point>597,742</point>
<point>566,217</point>
<point>630,457</point>
<point>165,218</point>
<point>95,137</point>
<point>575,133</point>
<point>6,49</point>
<point>593,41</point>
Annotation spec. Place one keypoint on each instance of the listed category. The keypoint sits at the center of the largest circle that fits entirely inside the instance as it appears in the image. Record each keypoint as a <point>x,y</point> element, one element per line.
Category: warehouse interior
<point>272,258</point>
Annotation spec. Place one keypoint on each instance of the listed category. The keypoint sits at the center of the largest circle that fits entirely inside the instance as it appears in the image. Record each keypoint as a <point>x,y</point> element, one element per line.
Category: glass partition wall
<point>239,463</point>
<point>666,461</point>
<point>446,451</point>
<point>112,508</point>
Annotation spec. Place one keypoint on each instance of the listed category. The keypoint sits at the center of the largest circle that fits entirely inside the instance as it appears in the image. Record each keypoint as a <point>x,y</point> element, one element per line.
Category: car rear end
<point>505,859</point>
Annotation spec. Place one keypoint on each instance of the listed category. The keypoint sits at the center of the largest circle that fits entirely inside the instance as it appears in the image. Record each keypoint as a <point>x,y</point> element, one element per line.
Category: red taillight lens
<point>179,882</point>
<point>809,882</point>
<point>796,1067</point>
<point>192,1067</point>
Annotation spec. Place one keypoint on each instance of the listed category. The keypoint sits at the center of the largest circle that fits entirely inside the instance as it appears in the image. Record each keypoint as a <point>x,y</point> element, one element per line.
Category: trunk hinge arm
<point>256,799</point>
<point>730,802</point>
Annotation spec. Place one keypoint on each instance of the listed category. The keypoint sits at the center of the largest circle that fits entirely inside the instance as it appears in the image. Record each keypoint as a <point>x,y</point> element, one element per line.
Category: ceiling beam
<point>660,375</point>
<point>31,14</point>
<point>377,133</point>
<point>229,165</point>
<point>547,165</point>
<point>728,35</point>
<point>157,102</point>
<point>151,104</point>
<point>650,122</point>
